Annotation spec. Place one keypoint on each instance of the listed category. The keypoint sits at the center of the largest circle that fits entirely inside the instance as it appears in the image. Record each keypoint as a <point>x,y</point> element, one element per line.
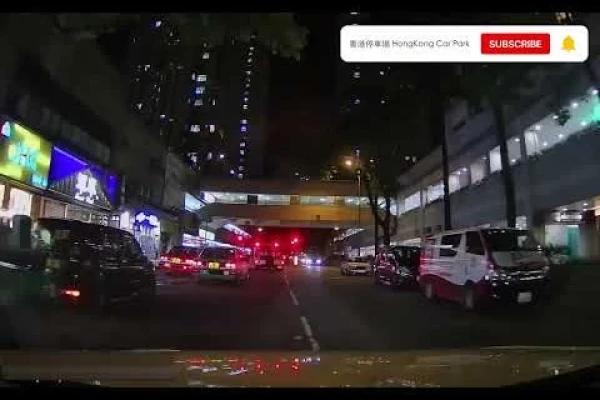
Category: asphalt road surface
<point>304,309</point>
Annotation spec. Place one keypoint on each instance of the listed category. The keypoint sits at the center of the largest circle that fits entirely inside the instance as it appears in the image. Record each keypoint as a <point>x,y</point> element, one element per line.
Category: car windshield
<point>510,240</point>
<point>218,253</point>
<point>344,196</point>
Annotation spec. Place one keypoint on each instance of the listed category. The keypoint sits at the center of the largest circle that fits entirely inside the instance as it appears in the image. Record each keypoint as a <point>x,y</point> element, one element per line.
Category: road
<point>307,309</point>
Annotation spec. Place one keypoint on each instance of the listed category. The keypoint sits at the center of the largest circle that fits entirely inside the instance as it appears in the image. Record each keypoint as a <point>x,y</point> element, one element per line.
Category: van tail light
<point>230,265</point>
<point>71,293</point>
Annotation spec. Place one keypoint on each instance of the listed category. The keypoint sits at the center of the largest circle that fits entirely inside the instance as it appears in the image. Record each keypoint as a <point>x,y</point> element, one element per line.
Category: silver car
<point>358,266</point>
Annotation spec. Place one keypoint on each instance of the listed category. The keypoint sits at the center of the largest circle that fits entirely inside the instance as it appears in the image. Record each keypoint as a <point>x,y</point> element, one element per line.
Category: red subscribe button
<point>515,43</point>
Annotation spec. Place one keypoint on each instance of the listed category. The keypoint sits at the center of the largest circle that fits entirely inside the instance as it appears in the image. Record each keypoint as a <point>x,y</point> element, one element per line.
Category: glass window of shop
<point>514,150</point>
<point>317,200</point>
<point>413,201</point>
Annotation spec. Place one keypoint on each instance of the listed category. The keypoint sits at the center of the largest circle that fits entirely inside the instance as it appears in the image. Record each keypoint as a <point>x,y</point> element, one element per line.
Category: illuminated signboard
<point>24,156</point>
<point>81,180</point>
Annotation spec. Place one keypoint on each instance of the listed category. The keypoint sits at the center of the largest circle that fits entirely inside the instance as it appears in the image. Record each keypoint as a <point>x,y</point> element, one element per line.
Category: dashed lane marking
<point>309,334</point>
<point>294,298</point>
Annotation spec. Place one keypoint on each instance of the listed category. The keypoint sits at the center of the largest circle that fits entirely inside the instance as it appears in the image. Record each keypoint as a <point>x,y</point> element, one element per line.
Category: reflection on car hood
<point>477,367</point>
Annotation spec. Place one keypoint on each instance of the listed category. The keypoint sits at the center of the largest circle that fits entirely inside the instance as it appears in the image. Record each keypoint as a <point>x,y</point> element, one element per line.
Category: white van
<point>473,265</point>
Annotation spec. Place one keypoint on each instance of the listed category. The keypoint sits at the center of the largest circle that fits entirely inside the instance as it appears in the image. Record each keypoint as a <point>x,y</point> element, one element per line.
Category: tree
<point>389,135</point>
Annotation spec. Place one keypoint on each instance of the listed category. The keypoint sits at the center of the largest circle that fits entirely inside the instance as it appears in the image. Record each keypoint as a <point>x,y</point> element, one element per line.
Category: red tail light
<point>190,261</point>
<point>230,265</point>
<point>71,292</point>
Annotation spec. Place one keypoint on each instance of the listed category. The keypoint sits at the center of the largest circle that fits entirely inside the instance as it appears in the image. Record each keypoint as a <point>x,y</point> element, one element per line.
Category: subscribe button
<point>515,43</point>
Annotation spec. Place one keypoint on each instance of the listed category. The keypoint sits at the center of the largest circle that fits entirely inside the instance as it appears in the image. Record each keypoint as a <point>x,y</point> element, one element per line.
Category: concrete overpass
<point>313,204</point>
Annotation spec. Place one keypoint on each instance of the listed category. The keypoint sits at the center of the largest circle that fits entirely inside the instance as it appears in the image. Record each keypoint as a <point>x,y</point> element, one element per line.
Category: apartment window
<point>249,60</point>
<point>356,101</point>
<point>200,90</point>
<point>245,106</point>
<point>240,176</point>
<point>201,78</point>
<point>243,128</point>
<point>157,24</point>
<point>244,121</point>
<point>241,167</point>
<point>495,160</point>
<point>242,144</point>
<point>205,56</point>
<point>209,155</point>
<point>242,152</point>
<point>195,128</point>
<point>245,99</point>
<point>248,72</point>
<point>453,182</point>
<point>356,74</point>
<point>211,128</point>
<point>198,102</point>
<point>214,102</point>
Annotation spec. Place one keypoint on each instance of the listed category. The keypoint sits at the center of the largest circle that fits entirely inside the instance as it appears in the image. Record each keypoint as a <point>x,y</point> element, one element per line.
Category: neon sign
<point>143,218</point>
<point>24,156</point>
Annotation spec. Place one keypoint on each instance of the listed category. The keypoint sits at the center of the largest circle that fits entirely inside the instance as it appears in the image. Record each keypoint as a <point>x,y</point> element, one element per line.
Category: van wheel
<point>429,291</point>
<point>469,299</point>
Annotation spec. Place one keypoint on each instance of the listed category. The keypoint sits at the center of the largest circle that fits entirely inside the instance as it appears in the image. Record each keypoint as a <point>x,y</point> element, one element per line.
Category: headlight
<point>308,261</point>
<point>319,261</point>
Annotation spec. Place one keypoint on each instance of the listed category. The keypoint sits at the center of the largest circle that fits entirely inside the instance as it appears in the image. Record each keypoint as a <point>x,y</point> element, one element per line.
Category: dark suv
<point>94,265</point>
<point>397,266</point>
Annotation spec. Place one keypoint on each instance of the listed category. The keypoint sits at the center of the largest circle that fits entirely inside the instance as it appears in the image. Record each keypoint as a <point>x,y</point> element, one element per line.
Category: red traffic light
<point>257,244</point>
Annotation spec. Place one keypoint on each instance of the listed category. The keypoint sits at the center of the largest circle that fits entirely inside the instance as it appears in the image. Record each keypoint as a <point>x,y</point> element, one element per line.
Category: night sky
<point>301,117</point>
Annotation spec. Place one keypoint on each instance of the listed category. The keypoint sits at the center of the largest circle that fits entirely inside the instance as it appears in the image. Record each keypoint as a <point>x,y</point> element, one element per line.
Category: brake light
<point>190,262</point>
<point>230,265</point>
<point>71,292</point>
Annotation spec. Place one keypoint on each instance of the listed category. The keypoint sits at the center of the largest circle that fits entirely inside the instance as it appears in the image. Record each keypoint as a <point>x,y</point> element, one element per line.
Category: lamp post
<point>349,163</point>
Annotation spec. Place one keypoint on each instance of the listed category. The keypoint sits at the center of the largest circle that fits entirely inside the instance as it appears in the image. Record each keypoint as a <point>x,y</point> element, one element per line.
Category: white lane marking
<point>294,298</point>
<point>309,334</point>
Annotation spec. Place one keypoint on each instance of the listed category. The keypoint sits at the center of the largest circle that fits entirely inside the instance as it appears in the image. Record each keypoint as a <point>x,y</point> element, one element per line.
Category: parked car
<point>358,266</point>
<point>94,265</point>
<point>471,266</point>
<point>398,266</point>
<point>224,264</point>
<point>182,260</point>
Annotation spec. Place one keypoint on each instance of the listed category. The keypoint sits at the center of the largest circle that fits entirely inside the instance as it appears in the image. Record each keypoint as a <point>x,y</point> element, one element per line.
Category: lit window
<point>242,152</point>
<point>209,155</point>
<point>214,102</point>
<point>479,170</point>
<point>162,116</point>
<point>231,172</point>
<point>241,167</point>
<point>200,90</point>
<point>211,128</point>
<point>356,74</point>
<point>205,56</point>
<point>251,47</point>
<point>356,101</point>
<point>514,150</point>
<point>157,24</point>
<point>221,156</point>
<point>244,121</point>
<point>242,144</point>
<point>248,72</point>
<point>195,128</point>
<point>146,67</point>
<point>198,102</point>
<point>243,128</point>
<point>495,161</point>
<point>381,72</point>
<point>240,176</point>
<point>245,99</point>
<point>201,78</point>
<point>245,106</point>
<point>247,85</point>
<point>249,60</point>
<point>139,106</point>
<point>382,101</point>
<point>193,77</point>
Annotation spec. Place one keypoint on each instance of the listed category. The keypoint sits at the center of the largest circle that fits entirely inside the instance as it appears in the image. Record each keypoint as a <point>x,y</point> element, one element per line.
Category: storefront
<point>24,165</point>
<point>145,225</point>
<point>80,190</point>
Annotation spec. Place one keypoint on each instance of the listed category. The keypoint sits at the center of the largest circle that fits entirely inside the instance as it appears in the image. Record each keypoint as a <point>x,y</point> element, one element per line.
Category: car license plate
<point>524,297</point>
<point>213,265</point>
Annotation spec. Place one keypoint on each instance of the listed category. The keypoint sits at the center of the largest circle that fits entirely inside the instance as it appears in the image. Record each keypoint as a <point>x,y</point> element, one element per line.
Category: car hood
<point>154,368</point>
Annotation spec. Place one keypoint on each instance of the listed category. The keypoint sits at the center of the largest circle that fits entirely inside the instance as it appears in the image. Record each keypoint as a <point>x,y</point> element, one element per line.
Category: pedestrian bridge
<point>282,203</point>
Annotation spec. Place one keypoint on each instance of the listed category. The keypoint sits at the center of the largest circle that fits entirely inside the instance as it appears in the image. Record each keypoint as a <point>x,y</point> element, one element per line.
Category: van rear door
<point>451,264</point>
